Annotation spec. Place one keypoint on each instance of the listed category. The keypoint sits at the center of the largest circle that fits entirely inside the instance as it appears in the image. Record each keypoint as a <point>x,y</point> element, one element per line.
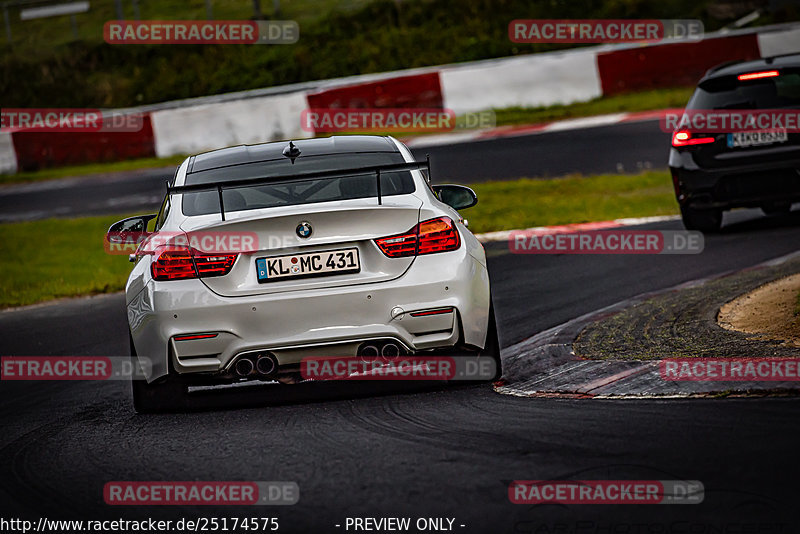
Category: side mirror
<point>124,236</point>
<point>131,224</point>
<point>456,196</point>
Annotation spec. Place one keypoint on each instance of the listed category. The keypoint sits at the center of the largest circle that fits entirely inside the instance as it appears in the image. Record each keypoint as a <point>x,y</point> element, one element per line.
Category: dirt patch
<point>769,310</point>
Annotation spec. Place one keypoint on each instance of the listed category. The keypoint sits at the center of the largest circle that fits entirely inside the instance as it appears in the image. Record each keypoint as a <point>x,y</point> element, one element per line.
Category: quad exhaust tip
<point>390,350</point>
<point>266,365</point>
<point>369,353</point>
<point>244,366</point>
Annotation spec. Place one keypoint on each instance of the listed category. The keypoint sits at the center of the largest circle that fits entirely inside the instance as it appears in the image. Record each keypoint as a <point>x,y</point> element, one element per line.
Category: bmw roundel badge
<point>304,229</point>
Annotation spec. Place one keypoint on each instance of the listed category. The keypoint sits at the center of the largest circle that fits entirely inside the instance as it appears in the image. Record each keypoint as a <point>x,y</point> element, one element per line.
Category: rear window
<point>729,93</point>
<point>298,191</point>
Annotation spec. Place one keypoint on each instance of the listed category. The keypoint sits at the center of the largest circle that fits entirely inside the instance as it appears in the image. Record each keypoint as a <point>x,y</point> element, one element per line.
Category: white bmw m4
<point>264,255</point>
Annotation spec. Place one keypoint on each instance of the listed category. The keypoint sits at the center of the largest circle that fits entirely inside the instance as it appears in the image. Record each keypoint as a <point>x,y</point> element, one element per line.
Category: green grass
<point>44,260</point>
<point>90,169</point>
<point>53,258</point>
<point>573,199</point>
<point>639,101</point>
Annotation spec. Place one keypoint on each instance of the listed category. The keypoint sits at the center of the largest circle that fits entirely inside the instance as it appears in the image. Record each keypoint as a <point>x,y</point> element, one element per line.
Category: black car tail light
<point>686,138</point>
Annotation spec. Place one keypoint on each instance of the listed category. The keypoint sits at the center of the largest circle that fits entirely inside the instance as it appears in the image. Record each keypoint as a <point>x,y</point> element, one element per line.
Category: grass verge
<point>572,199</point>
<point>53,258</point>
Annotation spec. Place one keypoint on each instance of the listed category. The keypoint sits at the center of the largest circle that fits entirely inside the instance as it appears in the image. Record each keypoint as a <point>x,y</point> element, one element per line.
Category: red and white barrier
<point>8,157</point>
<point>670,65</point>
<point>32,150</point>
<point>419,91</point>
<point>411,91</point>
<point>193,129</point>
<point>526,81</point>
<point>532,80</point>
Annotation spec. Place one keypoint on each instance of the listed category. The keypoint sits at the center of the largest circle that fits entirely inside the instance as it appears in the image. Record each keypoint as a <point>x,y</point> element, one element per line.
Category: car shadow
<point>273,394</point>
<point>763,223</point>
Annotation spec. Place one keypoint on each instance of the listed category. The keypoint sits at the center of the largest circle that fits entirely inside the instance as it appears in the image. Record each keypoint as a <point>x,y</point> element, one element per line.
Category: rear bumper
<point>733,187</point>
<point>321,322</point>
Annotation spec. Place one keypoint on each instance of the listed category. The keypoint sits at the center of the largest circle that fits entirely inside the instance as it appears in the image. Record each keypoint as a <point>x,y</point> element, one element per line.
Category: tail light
<point>213,264</point>
<point>684,138</point>
<point>428,237</point>
<point>179,263</point>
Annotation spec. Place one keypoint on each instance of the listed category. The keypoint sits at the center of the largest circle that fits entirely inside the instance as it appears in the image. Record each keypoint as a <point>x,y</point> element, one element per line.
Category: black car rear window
<point>728,92</point>
<point>300,191</point>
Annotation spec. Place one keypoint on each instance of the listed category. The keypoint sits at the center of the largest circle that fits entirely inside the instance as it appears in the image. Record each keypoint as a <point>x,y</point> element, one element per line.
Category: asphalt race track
<point>627,147</point>
<point>362,450</point>
<point>400,450</point>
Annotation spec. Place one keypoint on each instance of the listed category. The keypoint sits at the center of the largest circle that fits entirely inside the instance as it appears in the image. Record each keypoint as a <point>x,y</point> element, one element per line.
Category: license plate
<point>743,139</point>
<point>311,264</point>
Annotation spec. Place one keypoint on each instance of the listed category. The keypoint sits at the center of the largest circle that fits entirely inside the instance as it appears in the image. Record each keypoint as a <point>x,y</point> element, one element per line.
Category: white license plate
<point>743,139</point>
<point>311,264</point>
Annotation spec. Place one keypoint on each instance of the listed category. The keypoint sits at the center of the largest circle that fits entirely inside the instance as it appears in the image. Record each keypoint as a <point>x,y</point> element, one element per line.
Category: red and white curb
<point>545,365</point>
<point>504,235</point>
<point>452,138</point>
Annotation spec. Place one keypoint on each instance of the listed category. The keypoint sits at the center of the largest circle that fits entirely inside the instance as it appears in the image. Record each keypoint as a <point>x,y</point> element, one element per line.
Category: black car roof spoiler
<point>219,187</point>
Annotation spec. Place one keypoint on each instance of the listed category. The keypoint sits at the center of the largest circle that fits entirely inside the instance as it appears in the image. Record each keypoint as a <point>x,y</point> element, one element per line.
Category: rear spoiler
<point>219,187</point>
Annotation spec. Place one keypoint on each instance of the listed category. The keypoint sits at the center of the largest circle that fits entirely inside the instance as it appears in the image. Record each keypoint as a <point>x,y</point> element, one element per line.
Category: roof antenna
<point>291,151</point>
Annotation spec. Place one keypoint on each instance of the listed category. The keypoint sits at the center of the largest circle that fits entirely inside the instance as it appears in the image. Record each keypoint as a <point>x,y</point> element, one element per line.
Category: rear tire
<point>163,396</point>
<point>492,347</point>
<point>707,221</point>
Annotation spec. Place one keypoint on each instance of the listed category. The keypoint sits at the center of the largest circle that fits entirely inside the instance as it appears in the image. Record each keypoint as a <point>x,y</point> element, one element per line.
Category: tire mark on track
<point>21,468</point>
<point>420,421</point>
